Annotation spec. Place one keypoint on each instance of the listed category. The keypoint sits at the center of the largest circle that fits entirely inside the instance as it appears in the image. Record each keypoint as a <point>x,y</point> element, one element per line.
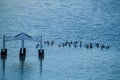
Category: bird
<point>80,44</point>
<point>107,47</point>
<point>91,45</point>
<point>97,45</point>
<point>102,46</point>
<point>37,45</point>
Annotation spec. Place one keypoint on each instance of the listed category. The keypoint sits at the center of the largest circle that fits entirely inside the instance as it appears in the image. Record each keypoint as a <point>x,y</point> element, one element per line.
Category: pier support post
<point>22,51</point>
<point>3,51</point>
<point>41,50</point>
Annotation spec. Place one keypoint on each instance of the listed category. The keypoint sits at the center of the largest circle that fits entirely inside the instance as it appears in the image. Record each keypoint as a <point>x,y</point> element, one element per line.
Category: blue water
<point>88,21</point>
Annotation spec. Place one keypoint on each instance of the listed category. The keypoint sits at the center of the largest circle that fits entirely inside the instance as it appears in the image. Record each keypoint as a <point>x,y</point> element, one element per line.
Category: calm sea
<point>88,21</point>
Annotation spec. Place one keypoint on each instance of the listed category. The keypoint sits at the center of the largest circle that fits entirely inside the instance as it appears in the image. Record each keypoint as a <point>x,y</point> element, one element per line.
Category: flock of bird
<point>76,44</point>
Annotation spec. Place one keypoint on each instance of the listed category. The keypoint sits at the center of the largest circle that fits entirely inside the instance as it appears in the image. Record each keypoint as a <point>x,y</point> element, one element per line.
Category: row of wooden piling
<point>22,55</point>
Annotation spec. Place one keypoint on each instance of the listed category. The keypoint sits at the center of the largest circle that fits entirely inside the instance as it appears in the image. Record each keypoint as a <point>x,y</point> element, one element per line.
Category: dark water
<point>62,20</point>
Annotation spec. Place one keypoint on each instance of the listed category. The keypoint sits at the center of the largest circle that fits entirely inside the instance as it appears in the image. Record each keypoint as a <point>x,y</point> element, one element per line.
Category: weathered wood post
<point>3,51</point>
<point>41,50</point>
<point>22,51</point>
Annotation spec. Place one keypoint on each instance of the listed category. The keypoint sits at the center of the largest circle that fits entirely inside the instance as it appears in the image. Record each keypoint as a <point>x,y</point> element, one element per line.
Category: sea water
<point>88,21</point>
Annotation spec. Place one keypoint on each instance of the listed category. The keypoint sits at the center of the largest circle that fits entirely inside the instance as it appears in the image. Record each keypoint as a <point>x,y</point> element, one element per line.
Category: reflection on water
<point>22,68</point>
<point>23,71</point>
<point>41,61</point>
<point>3,69</point>
<point>41,66</point>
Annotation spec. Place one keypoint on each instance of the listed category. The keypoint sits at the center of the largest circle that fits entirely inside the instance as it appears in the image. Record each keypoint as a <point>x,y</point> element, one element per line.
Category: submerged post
<point>41,50</point>
<point>3,51</point>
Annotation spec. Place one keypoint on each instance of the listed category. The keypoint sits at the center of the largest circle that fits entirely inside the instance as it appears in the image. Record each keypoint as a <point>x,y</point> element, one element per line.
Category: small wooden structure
<point>22,37</point>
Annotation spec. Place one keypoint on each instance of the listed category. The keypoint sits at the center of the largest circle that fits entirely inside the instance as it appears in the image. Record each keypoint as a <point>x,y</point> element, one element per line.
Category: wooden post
<point>41,50</point>
<point>4,43</point>
<point>3,51</point>
<point>22,46</point>
<point>22,51</point>
<point>41,44</point>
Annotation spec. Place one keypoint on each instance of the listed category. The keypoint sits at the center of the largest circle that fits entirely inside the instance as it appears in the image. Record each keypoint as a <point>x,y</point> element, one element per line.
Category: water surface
<point>62,20</point>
